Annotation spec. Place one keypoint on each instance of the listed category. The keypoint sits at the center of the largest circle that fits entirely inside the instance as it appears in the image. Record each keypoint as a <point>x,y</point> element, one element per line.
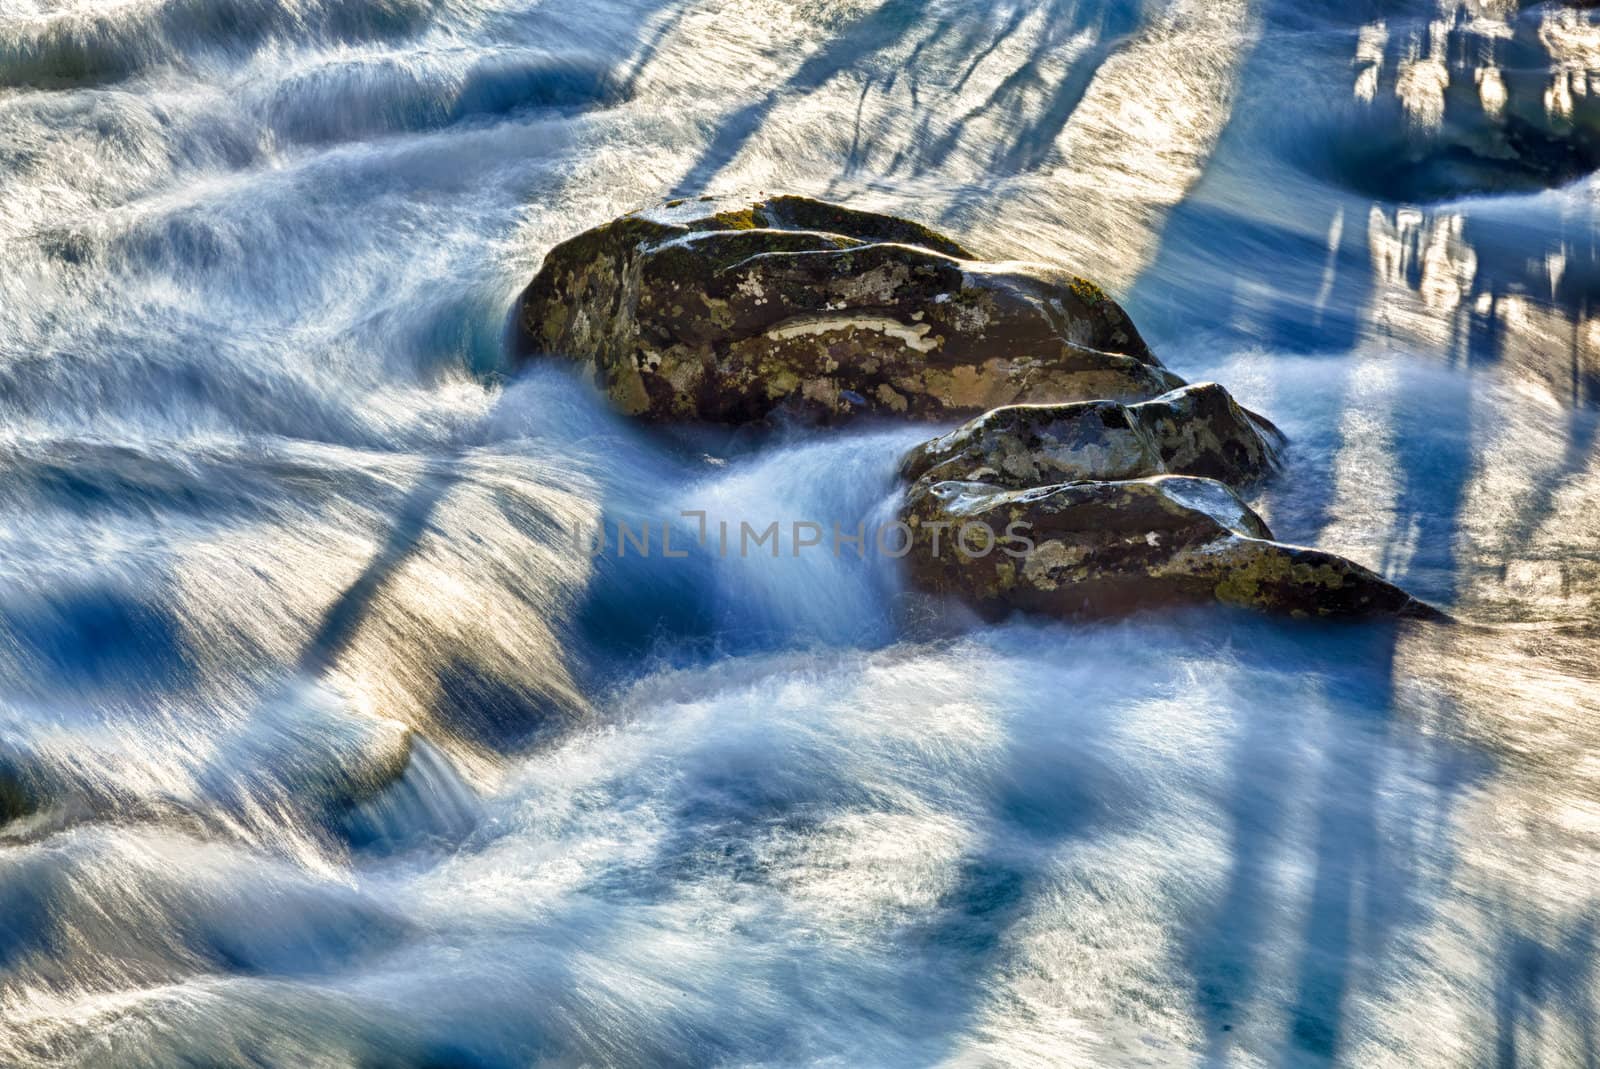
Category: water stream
<point>324,742</point>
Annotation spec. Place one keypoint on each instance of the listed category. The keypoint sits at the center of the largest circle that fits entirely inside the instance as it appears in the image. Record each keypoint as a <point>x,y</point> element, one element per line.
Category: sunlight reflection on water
<point>321,744</point>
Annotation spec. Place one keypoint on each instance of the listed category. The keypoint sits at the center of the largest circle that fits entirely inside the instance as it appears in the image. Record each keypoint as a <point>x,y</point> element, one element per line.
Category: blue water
<point>324,743</point>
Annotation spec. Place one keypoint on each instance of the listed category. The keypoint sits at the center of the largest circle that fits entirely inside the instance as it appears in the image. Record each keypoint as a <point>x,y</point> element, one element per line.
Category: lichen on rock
<point>1098,548</point>
<point>1194,430</point>
<point>734,312</point>
<point>1100,507</point>
<point>1092,479</point>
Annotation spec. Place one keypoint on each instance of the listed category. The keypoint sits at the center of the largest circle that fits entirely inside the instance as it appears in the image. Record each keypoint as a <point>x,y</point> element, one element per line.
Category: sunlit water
<point>323,743</point>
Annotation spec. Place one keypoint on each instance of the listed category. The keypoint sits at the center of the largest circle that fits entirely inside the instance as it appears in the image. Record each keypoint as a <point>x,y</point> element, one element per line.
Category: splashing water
<point>324,741</point>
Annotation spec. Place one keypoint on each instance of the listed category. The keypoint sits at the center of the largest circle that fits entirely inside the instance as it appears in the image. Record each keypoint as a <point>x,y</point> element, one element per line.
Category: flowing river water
<point>324,744</point>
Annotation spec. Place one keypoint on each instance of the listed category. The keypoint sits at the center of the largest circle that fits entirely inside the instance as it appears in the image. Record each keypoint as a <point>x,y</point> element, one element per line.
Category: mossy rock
<point>1194,430</point>
<point>732,312</point>
<point>1100,548</point>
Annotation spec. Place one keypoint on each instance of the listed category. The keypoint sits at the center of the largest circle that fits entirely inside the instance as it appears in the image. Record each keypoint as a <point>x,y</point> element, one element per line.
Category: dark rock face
<point>1101,507</point>
<point>1097,548</point>
<point>705,312</point>
<point>1195,430</point>
<point>16,795</point>
<point>1094,480</point>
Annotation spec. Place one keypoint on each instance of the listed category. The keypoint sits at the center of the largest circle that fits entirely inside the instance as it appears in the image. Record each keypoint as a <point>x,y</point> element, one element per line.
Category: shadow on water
<point>97,635</point>
<point>629,74</point>
<point>1531,977</point>
<point>1370,853</point>
<point>1229,267</point>
<point>342,621</point>
<point>1031,144</point>
<point>880,30</point>
<point>1039,798</point>
<point>1028,109</point>
<point>1347,873</point>
<point>1287,291</point>
<point>1220,955</point>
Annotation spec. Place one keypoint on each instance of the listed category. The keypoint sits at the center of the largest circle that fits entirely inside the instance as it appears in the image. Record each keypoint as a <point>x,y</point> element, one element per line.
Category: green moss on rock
<point>730,313</point>
<point>1108,547</point>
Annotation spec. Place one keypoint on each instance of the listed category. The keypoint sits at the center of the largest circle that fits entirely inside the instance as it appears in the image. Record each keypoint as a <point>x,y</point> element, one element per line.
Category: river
<point>325,743</point>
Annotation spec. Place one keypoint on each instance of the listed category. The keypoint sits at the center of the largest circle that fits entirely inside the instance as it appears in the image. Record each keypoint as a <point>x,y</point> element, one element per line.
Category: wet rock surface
<point>1097,548</point>
<point>1100,507</point>
<point>735,312</point>
<point>17,798</point>
<point>1092,480</point>
<point>1195,430</point>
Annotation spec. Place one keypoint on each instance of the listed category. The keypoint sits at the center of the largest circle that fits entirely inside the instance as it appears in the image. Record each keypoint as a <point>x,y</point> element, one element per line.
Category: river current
<point>324,743</point>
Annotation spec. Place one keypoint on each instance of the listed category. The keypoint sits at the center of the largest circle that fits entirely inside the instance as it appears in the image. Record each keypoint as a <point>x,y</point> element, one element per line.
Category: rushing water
<point>323,743</point>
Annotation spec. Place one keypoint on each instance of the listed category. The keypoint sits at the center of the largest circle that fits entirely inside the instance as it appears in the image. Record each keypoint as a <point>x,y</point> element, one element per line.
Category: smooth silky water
<point>324,743</point>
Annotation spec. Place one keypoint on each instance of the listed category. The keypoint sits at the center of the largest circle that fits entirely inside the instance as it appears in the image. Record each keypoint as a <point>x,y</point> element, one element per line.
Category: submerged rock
<point>729,314</point>
<point>1096,548</point>
<point>17,796</point>
<point>1195,430</point>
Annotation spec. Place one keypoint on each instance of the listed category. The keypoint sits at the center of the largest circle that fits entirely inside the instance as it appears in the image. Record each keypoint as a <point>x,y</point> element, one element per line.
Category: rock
<point>730,314</point>
<point>17,799</point>
<point>23,792</point>
<point>1096,548</point>
<point>1092,480</point>
<point>1195,430</point>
